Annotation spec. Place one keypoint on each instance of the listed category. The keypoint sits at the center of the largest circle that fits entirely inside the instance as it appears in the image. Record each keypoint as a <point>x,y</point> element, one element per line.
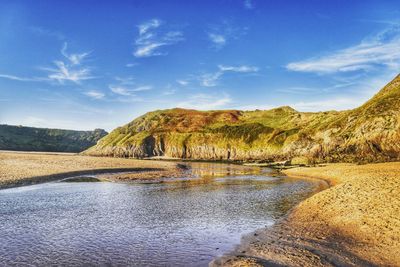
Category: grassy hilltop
<point>368,133</point>
<point>22,138</point>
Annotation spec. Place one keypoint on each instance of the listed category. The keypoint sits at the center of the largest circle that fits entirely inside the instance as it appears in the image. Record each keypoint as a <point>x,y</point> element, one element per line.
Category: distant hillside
<point>52,140</point>
<point>366,134</point>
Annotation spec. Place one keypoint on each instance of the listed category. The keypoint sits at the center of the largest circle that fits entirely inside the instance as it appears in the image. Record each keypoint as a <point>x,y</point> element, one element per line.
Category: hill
<point>369,133</point>
<point>22,138</point>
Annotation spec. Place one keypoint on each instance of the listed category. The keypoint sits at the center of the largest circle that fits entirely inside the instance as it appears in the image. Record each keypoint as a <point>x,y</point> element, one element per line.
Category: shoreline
<point>74,174</point>
<point>353,222</point>
<point>23,169</point>
<point>351,219</point>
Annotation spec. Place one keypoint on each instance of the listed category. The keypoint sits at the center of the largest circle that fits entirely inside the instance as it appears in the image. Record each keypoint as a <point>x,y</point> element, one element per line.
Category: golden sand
<point>356,222</point>
<point>364,205</point>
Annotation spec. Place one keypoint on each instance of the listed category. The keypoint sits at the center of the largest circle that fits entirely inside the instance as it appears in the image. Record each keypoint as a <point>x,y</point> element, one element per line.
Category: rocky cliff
<point>366,134</point>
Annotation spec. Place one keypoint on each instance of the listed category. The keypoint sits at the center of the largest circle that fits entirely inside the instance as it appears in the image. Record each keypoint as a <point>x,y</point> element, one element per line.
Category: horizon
<point>82,67</point>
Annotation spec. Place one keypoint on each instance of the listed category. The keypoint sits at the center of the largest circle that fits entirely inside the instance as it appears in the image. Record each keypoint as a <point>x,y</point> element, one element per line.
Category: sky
<point>99,64</point>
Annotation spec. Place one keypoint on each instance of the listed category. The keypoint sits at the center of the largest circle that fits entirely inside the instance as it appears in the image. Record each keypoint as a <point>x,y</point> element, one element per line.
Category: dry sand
<point>356,222</point>
<point>23,168</point>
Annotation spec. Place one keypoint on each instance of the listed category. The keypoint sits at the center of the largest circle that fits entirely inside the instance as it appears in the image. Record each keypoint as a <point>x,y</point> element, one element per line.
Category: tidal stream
<point>160,222</point>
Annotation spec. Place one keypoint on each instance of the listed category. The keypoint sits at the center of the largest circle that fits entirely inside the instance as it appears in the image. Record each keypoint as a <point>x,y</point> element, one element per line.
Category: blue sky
<point>100,64</point>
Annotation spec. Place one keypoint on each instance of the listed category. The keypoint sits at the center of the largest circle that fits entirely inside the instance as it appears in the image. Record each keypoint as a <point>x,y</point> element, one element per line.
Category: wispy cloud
<point>129,80</point>
<point>129,99</point>
<point>62,72</point>
<point>211,79</point>
<point>18,78</point>
<point>206,102</point>
<point>128,91</point>
<point>219,40</point>
<point>69,70</point>
<point>381,50</point>
<point>142,88</point>
<point>95,94</point>
<point>73,58</point>
<point>220,35</point>
<point>169,92</point>
<point>182,82</point>
<point>148,25</point>
<point>119,90</point>
<point>242,68</point>
<point>151,39</point>
<point>248,4</point>
<point>131,65</point>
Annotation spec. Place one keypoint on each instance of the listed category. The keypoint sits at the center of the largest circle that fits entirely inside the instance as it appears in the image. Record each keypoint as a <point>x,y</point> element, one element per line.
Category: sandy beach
<point>24,168</point>
<point>356,222</point>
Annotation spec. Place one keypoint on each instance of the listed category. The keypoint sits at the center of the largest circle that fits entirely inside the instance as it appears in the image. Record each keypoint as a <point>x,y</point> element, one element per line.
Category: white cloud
<point>211,79</point>
<point>243,68</point>
<point>169,92</point>
<point>206,102</point>
<point>21,79</point>
<point>126,91</point>
<point>148,50</point>
<point>131,65</point>
<point>119,90</point>
<point>220,35</point>
<point>74,59</point>
<point>129,99</point>
<point>382,50</point>
<point>182,82</point>
<point>150,39</point>
<point>219,40</point>
<point>70,70</point>
<point>65,72</point>
<point>151,24</point>
<point>248,4</point>
<point>95,94</point>
<point>142,88</point>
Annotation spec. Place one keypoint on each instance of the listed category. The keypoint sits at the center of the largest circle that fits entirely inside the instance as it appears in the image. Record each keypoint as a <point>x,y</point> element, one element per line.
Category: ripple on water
<point>179,223</point>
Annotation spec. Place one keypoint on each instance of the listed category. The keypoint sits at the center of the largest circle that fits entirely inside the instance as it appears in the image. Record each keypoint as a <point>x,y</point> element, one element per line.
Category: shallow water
<point>179,222</point>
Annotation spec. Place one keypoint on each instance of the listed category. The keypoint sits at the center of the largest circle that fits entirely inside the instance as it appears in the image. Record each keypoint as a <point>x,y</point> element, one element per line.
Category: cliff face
<point>52,140</point>
<point>368,133</point>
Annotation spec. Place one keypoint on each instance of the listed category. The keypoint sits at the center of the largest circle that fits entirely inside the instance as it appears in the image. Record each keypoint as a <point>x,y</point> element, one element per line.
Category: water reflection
<point>177,222</point>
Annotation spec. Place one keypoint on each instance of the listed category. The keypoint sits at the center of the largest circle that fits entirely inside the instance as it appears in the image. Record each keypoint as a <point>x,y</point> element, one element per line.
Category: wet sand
<point>24,168</point>
<point>356,222</point>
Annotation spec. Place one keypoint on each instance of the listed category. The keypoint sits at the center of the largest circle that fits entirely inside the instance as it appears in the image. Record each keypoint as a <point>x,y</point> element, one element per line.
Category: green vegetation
<point>368,133</point>
<point>52,140</point>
